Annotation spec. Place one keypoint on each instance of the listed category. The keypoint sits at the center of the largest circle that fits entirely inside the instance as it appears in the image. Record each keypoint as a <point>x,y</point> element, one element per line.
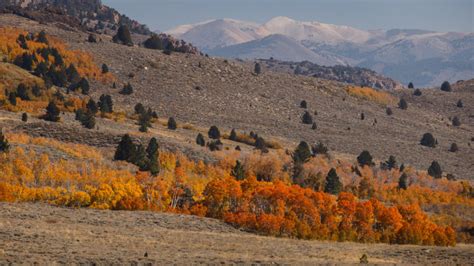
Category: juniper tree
<point>125,149</point>
<point>12,98</point>
<point>92,106</point>
<point>456,122</point>
<point>391,163</point>
<point>402,104</point>
<point>214,133</point>
<point>238,171</point>
<point>319,149</point>
<point>42,37</point>
<point>304,104</point>
<point>79,114</point>
<point>453,148</point>
<point>127,89</point>
<point>105,104</point>
<point>92,38</point>
<point>389,111</point>
<point>333,184</point>
<point>200,140</point>
<point>72,74</point>
<point>446,86</point>
<point>314,126</point>
<point>365,158</point>
<point>144,121</point>
<point>172,124</point>
<point>257,68</point>
<point>139,108</point>
<point>435,170</point>
<point>24,117</point>
<point>410,85</point>
<point>84,85</point>
<point>123,36</point>
<point>153,157</point>
<point>233,135</point>
<point>417,92</point>
<point>4,146</point>
<point>260,144</point>
<point>105,69</point>
<point>88,120</point>
<point>52,112</point>
<point>22,92</point>
<point>403,181</point>
<point>307,118</point>
<point>428,140</point>
<point>139,158</point>
<point>459,104</point>
<point>300,156</point>
<point>362,116</point>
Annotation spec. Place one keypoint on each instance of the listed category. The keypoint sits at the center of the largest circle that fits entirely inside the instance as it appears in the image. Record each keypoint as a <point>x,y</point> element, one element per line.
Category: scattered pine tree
<point>24,117</point>
<point>402,104</point>
<point>410,85</point>
<point>200,140</point>
<point>52,112</point>
<point>257,68</point>
<point>456,122</point>
<point>238,171</point>
<point>435,170</point>
<point>307,118</point>
<point>214,133</point>
<point>172,124</point>
<point>446,86</point>
<point>233,135</point>
<point>127,89</point>
<point>403,182</point>
<point>333,184</point>
<point>123,36</point>
<point>365,158</point>
<point>304,104</point>
<point>428,140</point>
<point>4,146</point>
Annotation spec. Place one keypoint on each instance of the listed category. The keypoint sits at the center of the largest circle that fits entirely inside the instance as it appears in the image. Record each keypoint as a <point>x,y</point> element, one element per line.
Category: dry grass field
<point>37,233</point>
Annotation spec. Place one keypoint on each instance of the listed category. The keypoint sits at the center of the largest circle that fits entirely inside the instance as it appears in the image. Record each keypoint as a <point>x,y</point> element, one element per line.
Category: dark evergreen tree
<point>200,140</point>
<point>233,135</point>
<point>21,40</point>
<point>52,112</point>
<point>24,117</point>
<point>260,144</point>
<point>362,116</point>
<point>153,156</point>
<point>172,124</point>
<point>72,74</point>
<point>105,69</point>
<point>154,42</point>
<point>456,122</point>
<point>84,85</point>
<point>105,104</point>
<point>36,90</point>
<point>314,126</point>
<point>214,133</point>
<point>144,120</point>
<point>319,149</point>
<point>238,171</point>
<point>403,182</point>
<point>446,86</point>
<point>42,37</point>
<point>123,36</point>
<point>92,38</point>
<point>127,89</point>
<point>460,104</point>
<point>391,163</point>
<point>333,184</point>
<point>402,168</point>
<point>92,106</point>
<point>402,104</point>
<point>428,140</point>
<point>4,146</point>
<point>365,158</point>
<point>435,170</point>
<point>79,114</point>
<point>24,61</point>
<point>139,108</point>
<point>139,158</point>
<point>22,92</point>
<point>302,153</point>
<point>417,92</point>
<point>454,147</point>
<point>307,118</point>
<point>410,85</point>
<point>12,98</point>
<point>389,111</point>
<point>215,145</point>
<point>41,69</point>
<point>304,104</point>
<point>258,68</point>
<point>88,120</point>
<point>125,150</point>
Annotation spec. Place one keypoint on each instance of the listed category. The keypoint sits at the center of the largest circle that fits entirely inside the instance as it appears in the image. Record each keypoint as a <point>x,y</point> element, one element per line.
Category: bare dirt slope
<point>230,96</point>
<point>37,233</point>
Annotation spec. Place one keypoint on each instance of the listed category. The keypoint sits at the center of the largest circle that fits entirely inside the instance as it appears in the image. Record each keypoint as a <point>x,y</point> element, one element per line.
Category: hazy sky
<point>439,15</point>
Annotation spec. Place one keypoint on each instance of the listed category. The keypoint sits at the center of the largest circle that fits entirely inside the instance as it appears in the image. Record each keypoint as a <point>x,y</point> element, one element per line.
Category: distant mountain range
<point>425,58</point>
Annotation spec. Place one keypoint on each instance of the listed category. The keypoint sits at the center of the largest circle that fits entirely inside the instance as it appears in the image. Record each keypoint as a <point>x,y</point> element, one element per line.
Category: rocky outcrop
<point>347,74</point>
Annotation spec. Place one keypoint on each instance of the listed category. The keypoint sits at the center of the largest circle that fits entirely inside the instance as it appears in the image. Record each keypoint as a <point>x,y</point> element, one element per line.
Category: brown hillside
<point>229,95</point>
